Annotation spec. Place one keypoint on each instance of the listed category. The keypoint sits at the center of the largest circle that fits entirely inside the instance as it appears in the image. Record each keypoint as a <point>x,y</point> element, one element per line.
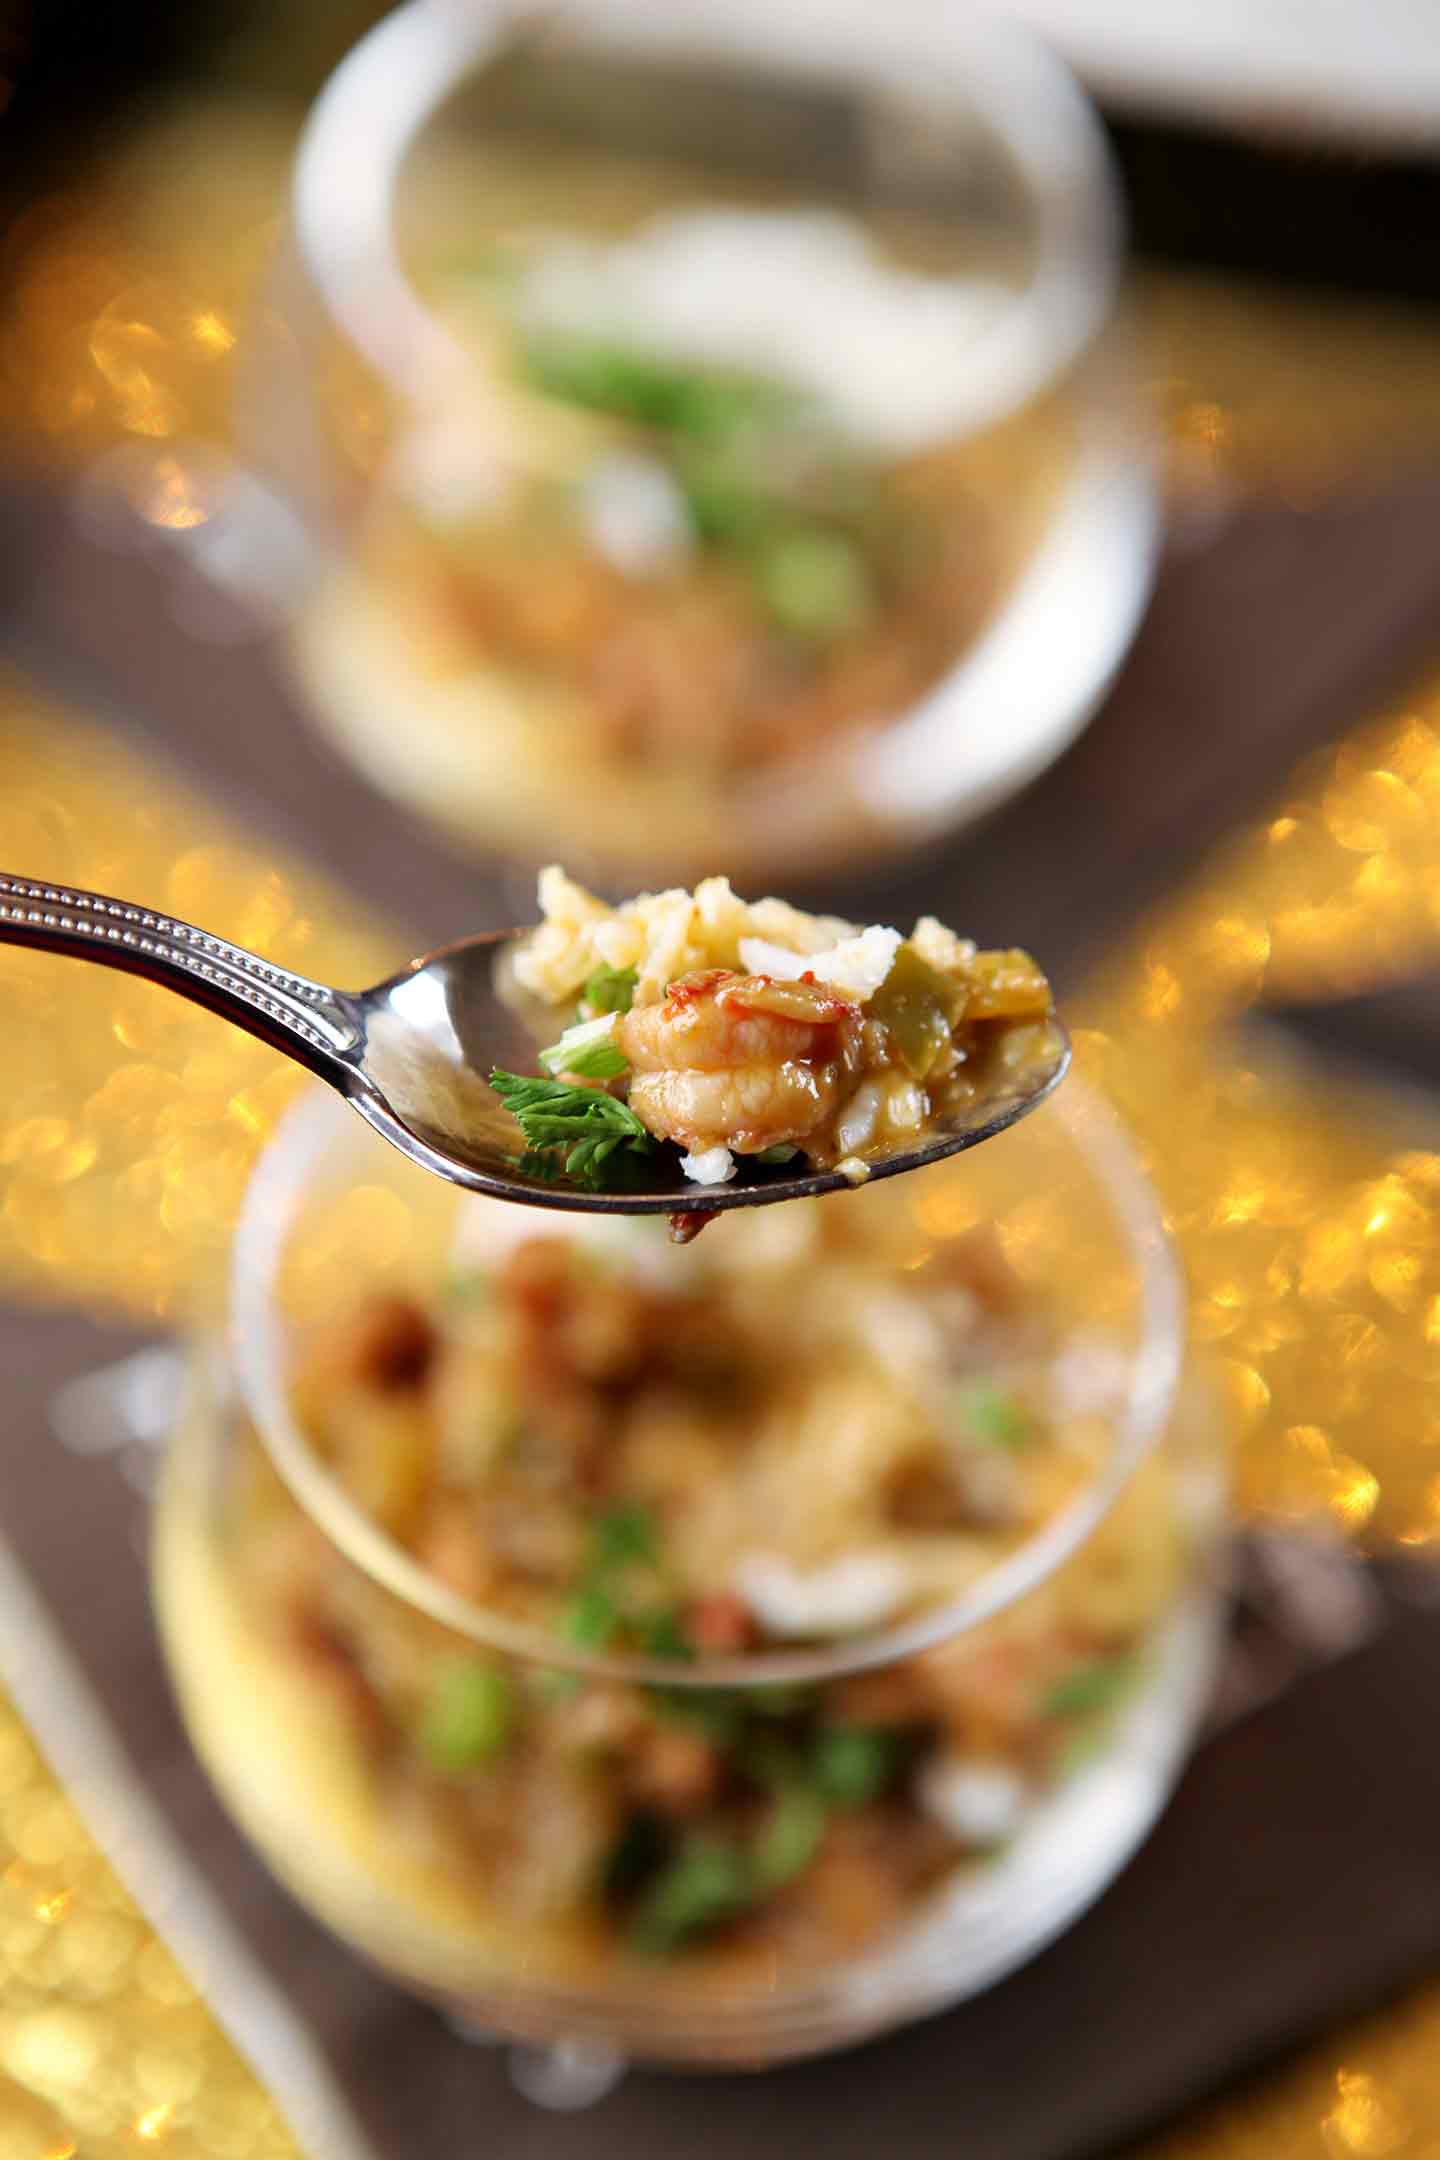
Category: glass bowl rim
<point>373,108</point>
<point>272,1203</point>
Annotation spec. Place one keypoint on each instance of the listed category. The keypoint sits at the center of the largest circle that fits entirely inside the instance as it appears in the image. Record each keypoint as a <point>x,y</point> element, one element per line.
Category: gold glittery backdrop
<point>1309,1217</point>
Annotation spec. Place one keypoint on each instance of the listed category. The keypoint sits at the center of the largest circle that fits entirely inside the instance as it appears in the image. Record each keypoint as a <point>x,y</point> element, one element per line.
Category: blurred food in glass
<point>747,446</point>
<point>720,1652</point>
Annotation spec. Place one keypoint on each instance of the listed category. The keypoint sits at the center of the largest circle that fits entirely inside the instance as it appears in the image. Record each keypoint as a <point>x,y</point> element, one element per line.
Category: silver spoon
<point>411,1056</point>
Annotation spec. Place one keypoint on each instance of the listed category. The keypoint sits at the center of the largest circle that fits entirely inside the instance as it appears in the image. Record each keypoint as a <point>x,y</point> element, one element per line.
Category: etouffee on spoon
<point>737,1028</point>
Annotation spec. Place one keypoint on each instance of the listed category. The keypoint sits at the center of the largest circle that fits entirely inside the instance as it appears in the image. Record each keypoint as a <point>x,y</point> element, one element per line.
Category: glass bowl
<point>712,418</point>
<point>1076,1662</point>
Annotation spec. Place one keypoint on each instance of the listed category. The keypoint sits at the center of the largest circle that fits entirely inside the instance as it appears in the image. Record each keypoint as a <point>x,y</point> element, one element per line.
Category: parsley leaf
<point>580,1125</point>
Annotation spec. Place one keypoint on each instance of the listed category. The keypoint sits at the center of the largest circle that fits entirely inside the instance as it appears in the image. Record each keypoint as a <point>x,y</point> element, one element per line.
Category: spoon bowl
<point>411,1056</point>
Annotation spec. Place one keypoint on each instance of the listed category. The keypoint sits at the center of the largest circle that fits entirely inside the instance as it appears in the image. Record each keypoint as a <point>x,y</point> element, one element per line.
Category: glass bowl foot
<point>567,2075</point>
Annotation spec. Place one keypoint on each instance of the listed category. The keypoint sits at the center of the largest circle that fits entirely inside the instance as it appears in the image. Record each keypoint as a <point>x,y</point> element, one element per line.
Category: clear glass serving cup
<point>827,628</point>
<point>332,1216</point>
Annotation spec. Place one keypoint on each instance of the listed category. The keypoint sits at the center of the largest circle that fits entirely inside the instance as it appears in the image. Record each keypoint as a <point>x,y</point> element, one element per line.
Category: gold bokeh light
<point>1307,1208</point>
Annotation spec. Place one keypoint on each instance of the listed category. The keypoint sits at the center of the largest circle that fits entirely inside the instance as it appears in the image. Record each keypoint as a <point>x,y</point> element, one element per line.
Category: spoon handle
<point>317,1026</point>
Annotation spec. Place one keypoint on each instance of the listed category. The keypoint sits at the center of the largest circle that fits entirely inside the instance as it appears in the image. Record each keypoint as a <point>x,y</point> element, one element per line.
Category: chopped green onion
<point>708,1881</point>
<point>591,1618</point>
<point>623,1534</point>
<point>588,1050</point>
<point>719,405</point>
<point>783,1151</point>
<point>995,1416</point>
<point>604,378</point>
<point>1081,1746</point>
<point>1086,1689</point>
<point>853,1763</point>
<point>648,389</point>
<point>469,1717</point>
<point>812,583</point>
<point>660,1635</point>
<point>727,507</point>
<point>611,990</point>
<point>789,1840</point>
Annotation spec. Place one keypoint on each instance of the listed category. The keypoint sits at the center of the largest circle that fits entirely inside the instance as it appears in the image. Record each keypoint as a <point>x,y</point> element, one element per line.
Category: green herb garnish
<point>783,1151</point>
<point>1087,1689</point>
<point>469,1716</point>
<point>812,583</point>
<point>661,1635</point>
<point>588,1049</point>
<point>577,1127</point>
<point>591,1619</point>
<point>993,1415</point>
<point>617,1172</point>
<point>624,1534</point>
<point>1084,1744</point>
<point>598,1615</point>
<point>707,1881</point>
<point>649,389</point>
<point>611,990</point>
<point>728,506</point>
<point>790,1839</point>
<point>852,1763</point>
<point>711,1880</point>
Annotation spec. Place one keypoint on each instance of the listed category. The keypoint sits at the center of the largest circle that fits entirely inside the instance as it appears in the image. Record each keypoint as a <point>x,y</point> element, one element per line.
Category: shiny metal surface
<point>411,1055</point>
